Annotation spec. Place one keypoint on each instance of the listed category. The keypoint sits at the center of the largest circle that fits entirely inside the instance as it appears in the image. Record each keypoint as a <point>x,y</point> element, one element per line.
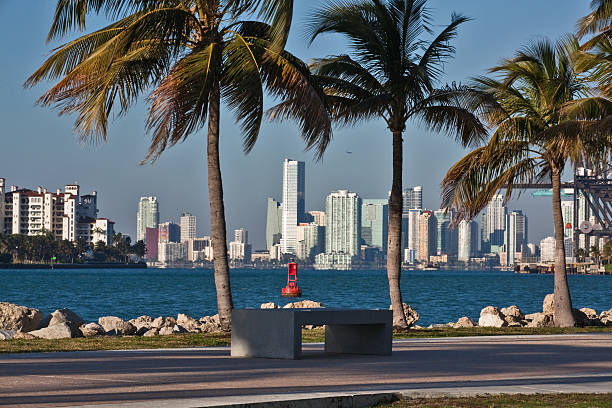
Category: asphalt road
<point>209,376</point>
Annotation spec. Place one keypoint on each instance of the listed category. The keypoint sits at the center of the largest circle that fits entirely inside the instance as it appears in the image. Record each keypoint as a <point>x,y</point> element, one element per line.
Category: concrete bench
<point>277,333</point>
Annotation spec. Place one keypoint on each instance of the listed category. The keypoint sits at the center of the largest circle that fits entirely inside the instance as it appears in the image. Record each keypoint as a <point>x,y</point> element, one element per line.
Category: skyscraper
<point>567,211</point>
<point>147,216</point>
<point>374,222</point>
<point>426,236</point>
<point>516,235</point>
<point>412,198</point>
<point>274,219</point>
<point>342,233</point>
<point>294,175</point>
<point>241,235</point>
<point>169,232</point>
<point>412,244</point>
<point>467,240</point>
<point>446,238</point>
<point>494,225</point>
<point>188,227</point>
<point>311,240</point>
<point>239,248</point>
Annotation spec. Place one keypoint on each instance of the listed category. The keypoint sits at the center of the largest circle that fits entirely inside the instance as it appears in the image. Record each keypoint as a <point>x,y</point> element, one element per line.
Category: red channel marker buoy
<point>292,289</point>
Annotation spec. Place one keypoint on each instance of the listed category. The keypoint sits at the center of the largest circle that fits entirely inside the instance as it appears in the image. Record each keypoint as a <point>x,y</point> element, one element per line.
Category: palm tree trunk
<point>562,314</point>
<point>394,248</point>
<point>217,215</point>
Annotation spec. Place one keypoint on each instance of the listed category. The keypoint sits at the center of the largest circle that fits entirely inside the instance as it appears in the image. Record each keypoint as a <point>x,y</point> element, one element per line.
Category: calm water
<point>438,296</point>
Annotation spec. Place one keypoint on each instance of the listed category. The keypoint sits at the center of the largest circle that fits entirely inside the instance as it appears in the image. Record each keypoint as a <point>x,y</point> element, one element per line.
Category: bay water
<point>438,296</point>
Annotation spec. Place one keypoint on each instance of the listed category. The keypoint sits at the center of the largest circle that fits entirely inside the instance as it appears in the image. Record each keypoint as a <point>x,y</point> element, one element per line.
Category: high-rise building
<point>547,249</point>
<point>199,249</point>
<point>274,220</point>
<point>413,230</point>
<point>151,243</point>
<point>311,240</point>
<point>241,235</point>
<point>188,227</point>
<point>239,248</point>
<point>168,252</point>
<point>318,217</point>
<point>169,232</point>
<point>426,236</point>
<point>494,225</point>
<point>467,240</point>
<point>294,175</point>
<point>412,198</point>
<point>343,229</point>
<point>374,222</point>
<point>446,237</point>
<point>516,235</point>
<point>147,216</point>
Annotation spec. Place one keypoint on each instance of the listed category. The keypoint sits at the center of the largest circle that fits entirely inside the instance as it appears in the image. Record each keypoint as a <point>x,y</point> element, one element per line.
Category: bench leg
<point>256,335</point>
<point>358,339</point>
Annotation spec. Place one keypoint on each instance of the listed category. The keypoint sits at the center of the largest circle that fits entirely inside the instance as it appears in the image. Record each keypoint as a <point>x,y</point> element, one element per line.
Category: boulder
<point>115,326</point>
<point>62,330</point>
<point>582,319</point>
<point>187,322</point>
<point>412,316</point>
<point>512,314</point>
<point>160,322</point>
<point>142,321</point>
<point>18,318</point>
<point>22,335</point>
<point>7,334</point>
<point>540,320</point>
<point>165,330</point>
<point>269,305</point>
<point>210,324</point>
<point>178,329</point>
<point>548,306</point>
<point>92,330</point>
<point>303,304</point>
<point>490,316</point>
<point>151,332</point>
<point>464,322</point>
<point>590,313</point>
<point>65,315</point>
<point>606,317</point>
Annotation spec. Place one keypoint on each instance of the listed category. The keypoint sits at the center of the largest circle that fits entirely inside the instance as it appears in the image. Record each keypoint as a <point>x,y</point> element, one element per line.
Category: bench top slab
<point>320,316</point>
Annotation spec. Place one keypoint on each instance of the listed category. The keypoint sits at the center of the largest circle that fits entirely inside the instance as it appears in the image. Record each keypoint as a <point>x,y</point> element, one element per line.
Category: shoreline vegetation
<point>316,335</point>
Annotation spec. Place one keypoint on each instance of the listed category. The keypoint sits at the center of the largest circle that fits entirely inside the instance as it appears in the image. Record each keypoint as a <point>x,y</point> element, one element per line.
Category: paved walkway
<point>208,376</point>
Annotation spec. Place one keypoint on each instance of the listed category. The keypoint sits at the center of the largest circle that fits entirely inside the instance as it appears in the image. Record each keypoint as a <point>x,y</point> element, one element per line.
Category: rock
<point>437,326</point>
<point>531,316</point>
<point>412,316</point>
<point>44,322</point>
<point>210,324</point>
<point>115,326</point>
<point>178,329</point>
<point>303,304</point>
<point>22,335</point>
<point>590,313</point>
<point>62,330</point>
<point>540,320</point>
<point>7,334</point>
<point>464,322</point>
<point>269,305</point>
<point>490,316</point>
<point>548,306</point>
<point>187,322</point>
<point>18,318</point>
<point>582,319</point>
<point>517,323</point>
<point>160,322</point>
<point>151,332</point>
<point>66,315</point>
<point>142,321</point>
<point>165,330</point>
<point>512,314</point>
<point>92,330</point>
<point>606,317</point>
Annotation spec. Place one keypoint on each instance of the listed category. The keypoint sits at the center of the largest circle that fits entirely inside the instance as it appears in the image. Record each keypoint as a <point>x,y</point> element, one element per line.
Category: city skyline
<point>113,167</point>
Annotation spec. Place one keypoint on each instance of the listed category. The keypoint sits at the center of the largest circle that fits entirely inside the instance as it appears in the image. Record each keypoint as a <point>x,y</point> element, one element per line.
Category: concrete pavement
<point>209,376</point>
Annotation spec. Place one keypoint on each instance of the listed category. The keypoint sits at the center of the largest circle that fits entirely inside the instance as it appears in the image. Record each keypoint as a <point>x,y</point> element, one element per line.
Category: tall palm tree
<point>544,118</point>
<point>392,73</point>
<point>597,23</point>
<point>192,54</point>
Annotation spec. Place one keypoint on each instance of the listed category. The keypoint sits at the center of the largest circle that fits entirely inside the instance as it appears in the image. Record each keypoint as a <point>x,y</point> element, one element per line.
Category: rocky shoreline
<point>22,322</point>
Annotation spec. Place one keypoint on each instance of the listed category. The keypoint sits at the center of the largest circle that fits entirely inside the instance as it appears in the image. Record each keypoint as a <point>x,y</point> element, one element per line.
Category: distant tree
<point>607,251</point>
<point>139,249</point>
<point>595,255</point>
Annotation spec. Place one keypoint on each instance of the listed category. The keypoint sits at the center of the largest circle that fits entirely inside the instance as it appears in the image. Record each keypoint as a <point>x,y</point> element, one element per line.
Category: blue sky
<point>39,148</point>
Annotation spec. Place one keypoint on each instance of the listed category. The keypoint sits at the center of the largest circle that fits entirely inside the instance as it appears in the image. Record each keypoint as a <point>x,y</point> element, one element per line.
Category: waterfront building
<point>169,252</point>
<point>547,249</point>
<point>188,227</point>
<point>67,215</point>
<point>412,198</point>
<point>199,249</point>
<point>294,182</point>
<point>427,236</point>
<point>274,220</point>
<point>446,237</point>
<point>516,236</point>
<point>494,225</point>
<point>412,230</point>
<point>374,222</point>
<point>318,217</point>
<point>169,232</point>
<point>567,211</point>
<point>311,240</point>
<point>239,248</point>
<point>147,216</point>
<point>467,240</point>
<point>151,244</point>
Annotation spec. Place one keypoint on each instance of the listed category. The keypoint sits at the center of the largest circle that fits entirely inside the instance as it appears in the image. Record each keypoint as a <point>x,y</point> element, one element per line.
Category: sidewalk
<point>208,376</point>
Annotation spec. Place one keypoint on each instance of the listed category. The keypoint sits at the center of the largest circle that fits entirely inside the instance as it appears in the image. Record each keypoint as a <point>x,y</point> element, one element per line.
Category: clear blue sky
<point>40,148</point>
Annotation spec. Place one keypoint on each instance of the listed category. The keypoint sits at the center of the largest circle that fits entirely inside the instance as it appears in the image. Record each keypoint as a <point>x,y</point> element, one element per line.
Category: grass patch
<point>507,401</point>
<point>608,267</point>
<point>206,340</point>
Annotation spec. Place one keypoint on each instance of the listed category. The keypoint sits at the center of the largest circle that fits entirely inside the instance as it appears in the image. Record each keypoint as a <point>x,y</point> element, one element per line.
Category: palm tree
<point>598,23</point>
<point>544,118</point>
<point>595,255</point>
<point>391,74</point>
<point>192,54</point>
<point>607,251</point>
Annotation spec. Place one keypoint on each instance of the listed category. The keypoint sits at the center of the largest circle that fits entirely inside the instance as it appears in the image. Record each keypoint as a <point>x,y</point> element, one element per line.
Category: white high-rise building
<point>239,248</point>
<point>446,237</point>
<point>293,203</point>
<point>147,216</point>
<point>494,225</point>
<point>467,240</point>
<point>413,231</point>
<point>318,217</point>
<point>547,249</point>
<point>343,216</point>
<point>311,239</point>
<point>274,221</point>
<point>188,227</point>
<point>516,235</point>
<point>241,235</point>
<point>567,211</point>
<point>412,198</point>
<point>427,236</point>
